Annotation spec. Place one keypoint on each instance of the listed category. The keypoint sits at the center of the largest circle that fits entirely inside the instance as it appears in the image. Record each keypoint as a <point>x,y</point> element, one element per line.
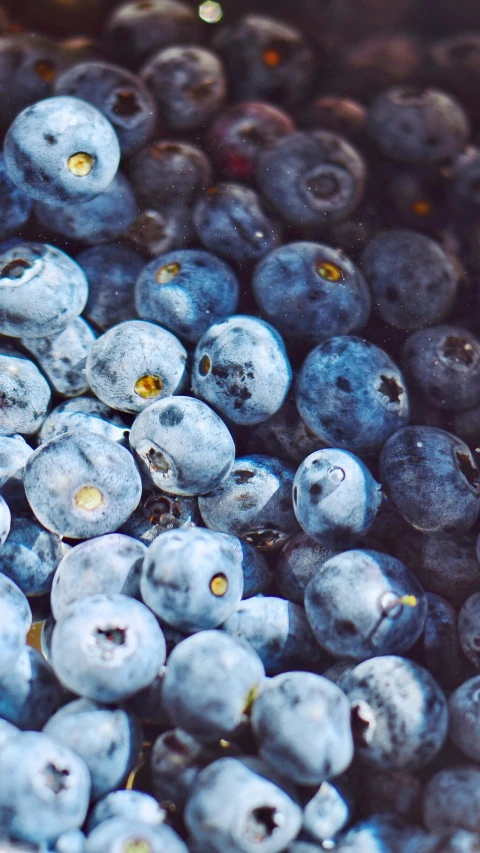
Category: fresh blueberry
<point>210,683</point>
<point>312,179</point>
<point>176,760</point>
<point>336,113</point>
<point>464,712</point>
<point>107,739</point>
<point>15,206</point>
<point>72,841</point>
<point>298,561</point>
<point>413,281</point>
<point>446,841</point>
<point>160,228</point>
<point>439,646</point>
<point>452,798</point>
<point>364,603</point>
<point>254,502</point>
<point>242,369</point>
<point>257,576</point>
<point>63,356</point>
<point>111,270</point>
<point>284,434</point>
<point>31,555</point>
<point>105,564</point>
<point>182,445</point>
<point>432,479</point>
<point>98,420</point>
<point>311,292</point>
<point>61,151</point>
<point>159,512</point>
<point>129,805</point>
<point>14,452</point>
<point>118,94</point>
<point>29,692</point>
<point>24,394</point>
<point>378,833</point>
<point>29,64</point>
<point>135,31</point>
<point>256,813</point>
<point>327,812</point>
<point>81,485</point>
<point>127,834</point>
<point>186,291</point>
<point>15,623</point>
<point>5,523</point>
<point>173,171</point>
<point>468,628</point>
<point>351,394</point>
<point>7,733</point>
<point>335,497</point>
<point>107,647</point>
<point>135,363</point>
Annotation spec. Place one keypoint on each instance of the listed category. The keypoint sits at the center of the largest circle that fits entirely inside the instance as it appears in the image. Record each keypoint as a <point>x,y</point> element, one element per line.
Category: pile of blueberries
<point>239,426</point>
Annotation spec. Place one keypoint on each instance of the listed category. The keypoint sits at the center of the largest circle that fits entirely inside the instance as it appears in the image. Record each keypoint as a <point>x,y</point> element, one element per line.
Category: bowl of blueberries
<point>239,426</point>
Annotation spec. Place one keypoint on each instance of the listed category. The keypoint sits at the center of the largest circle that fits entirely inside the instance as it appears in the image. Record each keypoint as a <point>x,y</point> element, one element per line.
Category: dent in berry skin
<point>111,270</point>
<point>63,356</point>
<point>24,395</point>
<point>31,555</point>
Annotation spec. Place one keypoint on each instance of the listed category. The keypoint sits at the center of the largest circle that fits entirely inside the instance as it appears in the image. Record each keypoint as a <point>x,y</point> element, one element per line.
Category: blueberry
<point>135,31</point>
<point>29,692</point>
<point>187,84</point>
<point>380,832</point>
<point>148,703</point>
<point>439,647</point>
<point>336,113</point>
<point>242,369</point>
<point>105,564</point>
<point>5,520</point>
<point>451,799</point>
<point>159,512</point>
<point>127,804</point>
<point>101,421</point>
<point>278,631</point>
<point>81,485</point>
<point>327,812</point>
<point>253,502</point>
<point>182,445</point>
<point>107,647</point>
<point>364,603</point>
<point>111,270</point>
<point>15,205</point>
<point>298,561</point>
<point>192,579</point>
<point>335,497</point>
<point>63,356</point>
<point>464,710</point>
<point>413,281</point>
<point>311,292</point>
<point>177,172</point>
<point>284,434</point>
<point>229,219</point>
<point>256,573</point>
<point>446,841</point>
<point>29,64</point>
<point>431,478</point>
<point>266,59</point>
<point>468,630</point>
<point>186,291</point>
<point>45,788</point>
<point>176,760</point>
<point>418,125</point>
<point>41,290</point>
<point>108,741</point>
<point>15,623</point>
<point>256,813</point>
<point>312,179</point>
<point>210,683</point>
<point>14,452</point>
<point>106,217</point>
<point>61,150</point>
<point>24,394</point>
<point>31,555</point>
<point>160,228</point>
<point>301,722</point>
<point>135,363</point>
<point>351,394</point>
<point>120,833</point>
<point>399,713</point>
<point>118,94</point>
<point>7,732</point>
<point>72,841</point>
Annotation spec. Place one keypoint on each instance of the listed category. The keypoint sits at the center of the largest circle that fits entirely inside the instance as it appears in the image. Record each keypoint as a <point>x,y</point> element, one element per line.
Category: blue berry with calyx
<point>242,369</point>
<point>297,562</point>
<point>159,512</point>
<point>31,555</point>
<point>15,623</point>
<point>111,270</point>
<point>30,692</point>
<point>311,292</point>
<point>61,150</point>
<point>24,394</point>
<point>351,394</point>
<point>120,833</point>
<point>63,356</point>
<point>174,171</point>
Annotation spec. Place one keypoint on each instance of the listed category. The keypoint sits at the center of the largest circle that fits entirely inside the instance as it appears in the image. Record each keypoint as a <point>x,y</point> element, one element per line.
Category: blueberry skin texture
<point>312,179</point>
<point>464,713</point>
<point>127,353</point>
<point>15,205</point>
<point>423,127</point>
<point>107,647</point>
<point>353,604</point>
<point>174,171</point>
<point>179,575</point>
<point>400,713</point>
<point>119,95</point>
<point>297,562</point>
<point>230,220</point>
<point>182,446</point>
<point>468,630</point>
<point>28,66</point>
<point>24,392</point>
<point>351,394</point>
<point>119,833</point>
<point>127,804</point>
<point>381,832</point>
<point>111,270</point>
<point>242,369</point>
<point>60,421</point>
<point>253,502</point>
<point>60,473</point>
<point>31,555</point>
<point>278,631</point>
<point>210,682</point>
<point>63,356</point>
<point>108,740</point>
<point>45,788</point>
<point>133,33</point>
<point>431,478</point>
<point>451,799</point>
<point>413,282</point>
<point>186,291</point>
<point>187,84</point>
<point>301,723</point>
<point>43,137</point>
<point>14,452</point>
<point>256,572</point>
<point>41,290</point>
<point>443,363</point>
<point>15,623</point>
<point>108,216</point>
<point>105,564</point>
<point>335,497</point>
<point>5,519</point>
<point>282,76</point>
<point>295,291</point>
<point>29,692</point>
<point>327,812</point>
